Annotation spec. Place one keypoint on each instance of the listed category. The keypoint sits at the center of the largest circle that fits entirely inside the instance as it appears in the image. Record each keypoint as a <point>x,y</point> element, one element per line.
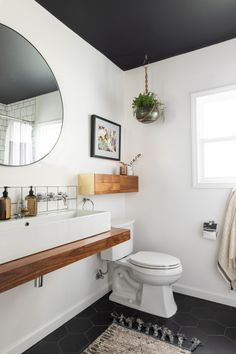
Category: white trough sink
<point>23,237</point>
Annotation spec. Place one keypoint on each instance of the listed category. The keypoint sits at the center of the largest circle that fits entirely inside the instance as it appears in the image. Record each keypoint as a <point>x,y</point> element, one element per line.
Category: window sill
<point>214,185</point>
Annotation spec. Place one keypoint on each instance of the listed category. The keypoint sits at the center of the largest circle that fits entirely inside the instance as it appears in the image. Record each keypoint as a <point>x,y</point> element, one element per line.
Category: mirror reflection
<point>31,112</point>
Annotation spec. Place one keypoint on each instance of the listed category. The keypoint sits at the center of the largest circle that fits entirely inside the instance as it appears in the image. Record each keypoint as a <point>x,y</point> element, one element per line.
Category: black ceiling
<point>124,30</point>
<point>23,71</point>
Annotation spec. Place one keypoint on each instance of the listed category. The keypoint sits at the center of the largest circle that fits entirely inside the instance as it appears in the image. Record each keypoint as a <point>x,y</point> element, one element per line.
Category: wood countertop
<point>24,269</point>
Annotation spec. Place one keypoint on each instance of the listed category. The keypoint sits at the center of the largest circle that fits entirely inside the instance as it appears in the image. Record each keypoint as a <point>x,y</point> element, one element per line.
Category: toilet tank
<point>123,249</point>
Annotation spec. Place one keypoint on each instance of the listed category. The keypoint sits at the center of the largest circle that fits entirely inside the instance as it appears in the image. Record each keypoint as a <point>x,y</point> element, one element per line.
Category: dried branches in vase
<point>127,168</point>
<point>134,160</point>
<point>130,166</point>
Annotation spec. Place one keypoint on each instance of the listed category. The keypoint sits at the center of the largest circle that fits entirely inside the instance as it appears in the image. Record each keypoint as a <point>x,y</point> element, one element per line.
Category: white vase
<point>130,171</point>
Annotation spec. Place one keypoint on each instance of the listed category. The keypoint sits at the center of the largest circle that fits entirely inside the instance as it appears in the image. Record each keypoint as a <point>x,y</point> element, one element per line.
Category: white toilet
<point>142,280</point>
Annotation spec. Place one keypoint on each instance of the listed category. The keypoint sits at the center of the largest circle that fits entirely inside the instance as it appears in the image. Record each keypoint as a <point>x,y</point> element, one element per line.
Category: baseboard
<point>33,337</point>
<point>229,300</point>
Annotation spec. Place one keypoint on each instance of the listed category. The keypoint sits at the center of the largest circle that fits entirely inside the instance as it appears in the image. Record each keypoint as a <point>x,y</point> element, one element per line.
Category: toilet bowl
<point>143,280</point>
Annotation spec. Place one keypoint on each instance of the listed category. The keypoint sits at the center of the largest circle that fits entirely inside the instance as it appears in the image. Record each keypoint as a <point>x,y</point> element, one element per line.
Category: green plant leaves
<point>146,100</point>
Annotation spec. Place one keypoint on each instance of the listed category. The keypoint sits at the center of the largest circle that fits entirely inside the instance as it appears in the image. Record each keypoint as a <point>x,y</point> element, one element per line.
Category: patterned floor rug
<point>120,340</point>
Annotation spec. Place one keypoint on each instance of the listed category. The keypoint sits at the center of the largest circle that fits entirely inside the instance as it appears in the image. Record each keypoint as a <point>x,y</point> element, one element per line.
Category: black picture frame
<point>107,124</point>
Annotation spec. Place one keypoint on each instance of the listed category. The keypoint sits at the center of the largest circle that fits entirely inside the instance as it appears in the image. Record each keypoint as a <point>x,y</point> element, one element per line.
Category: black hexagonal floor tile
<point>211,327</point>
<point>146,317</point>
<point>103,306</point>
<point>101,318</point>
<point>203,349</point>
<point>181,302</point>
<point>58,334</point>
<point>44,347</point>
<point>78,325</point>
<point>217,307</point>
<point>73,343</point>
<point>95,332</point>
<point>184,306</point>
<point>226,309</point>
<point>191,332</point>
<point>185,319</point>
<point>127,311</point>
<point>203,313</point>
<point>179,297</point>
<point>171,324</point>
<point>195,301</point>
<point>87,313</point>
<point>231,333</point>
<point>221,345</point>
<point>227,319</point>
<point>195,318</point>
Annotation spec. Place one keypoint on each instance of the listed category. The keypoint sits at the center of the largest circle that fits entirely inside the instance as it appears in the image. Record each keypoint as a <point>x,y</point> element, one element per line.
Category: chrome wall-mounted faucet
<point>52,197</point>
<point>62,196</point>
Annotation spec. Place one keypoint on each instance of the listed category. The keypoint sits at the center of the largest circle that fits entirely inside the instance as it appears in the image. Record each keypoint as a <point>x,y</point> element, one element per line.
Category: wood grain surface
<point>28,268</point>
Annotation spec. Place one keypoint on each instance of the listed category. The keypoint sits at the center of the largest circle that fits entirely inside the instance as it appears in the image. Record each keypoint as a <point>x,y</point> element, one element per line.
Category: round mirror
<point>31,110</point>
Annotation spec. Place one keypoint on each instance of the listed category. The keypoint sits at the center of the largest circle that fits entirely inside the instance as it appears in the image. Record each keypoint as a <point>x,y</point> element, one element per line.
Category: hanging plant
<point>147,107</point>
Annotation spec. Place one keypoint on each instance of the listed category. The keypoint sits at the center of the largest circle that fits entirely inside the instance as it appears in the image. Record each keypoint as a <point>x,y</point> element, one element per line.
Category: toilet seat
<point>154,260</point>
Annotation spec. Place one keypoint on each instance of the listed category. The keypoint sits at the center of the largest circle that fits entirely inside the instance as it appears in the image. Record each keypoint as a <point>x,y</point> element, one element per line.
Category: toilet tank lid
<point>153,259</point>
<point>122,222</point>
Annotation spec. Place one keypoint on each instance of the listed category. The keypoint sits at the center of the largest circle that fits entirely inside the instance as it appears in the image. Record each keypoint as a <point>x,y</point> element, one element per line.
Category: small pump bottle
<point>5,206</point>
<point>31,203</point>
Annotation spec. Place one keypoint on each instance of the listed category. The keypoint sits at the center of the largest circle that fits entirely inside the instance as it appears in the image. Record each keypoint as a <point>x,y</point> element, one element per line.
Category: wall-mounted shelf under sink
<point>22,270</point>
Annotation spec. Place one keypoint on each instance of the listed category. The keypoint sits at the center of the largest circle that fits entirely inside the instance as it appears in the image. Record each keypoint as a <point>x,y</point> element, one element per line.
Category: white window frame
<point>197,150</point>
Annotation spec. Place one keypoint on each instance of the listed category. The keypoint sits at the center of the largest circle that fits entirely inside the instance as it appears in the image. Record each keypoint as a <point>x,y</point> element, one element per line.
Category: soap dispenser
<point>31,200</point>
<point>5,206</point>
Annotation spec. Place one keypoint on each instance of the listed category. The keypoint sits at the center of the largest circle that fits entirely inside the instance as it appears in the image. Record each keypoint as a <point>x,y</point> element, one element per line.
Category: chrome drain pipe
<point>38,282</point>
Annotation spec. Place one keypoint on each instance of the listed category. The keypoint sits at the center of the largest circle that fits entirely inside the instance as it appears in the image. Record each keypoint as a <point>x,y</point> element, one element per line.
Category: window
<point>214,137</point>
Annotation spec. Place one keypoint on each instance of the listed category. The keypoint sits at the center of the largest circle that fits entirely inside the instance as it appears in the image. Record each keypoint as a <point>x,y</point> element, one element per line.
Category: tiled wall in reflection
<point>46,204</point>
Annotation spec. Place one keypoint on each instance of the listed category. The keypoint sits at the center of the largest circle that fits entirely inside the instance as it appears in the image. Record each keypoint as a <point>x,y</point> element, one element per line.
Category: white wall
<point>169,211</point>
<point>48,107</point>
<point>89,84</point>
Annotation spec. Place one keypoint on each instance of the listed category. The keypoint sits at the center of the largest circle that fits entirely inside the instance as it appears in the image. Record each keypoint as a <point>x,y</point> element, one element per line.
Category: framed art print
<point>105,138</point>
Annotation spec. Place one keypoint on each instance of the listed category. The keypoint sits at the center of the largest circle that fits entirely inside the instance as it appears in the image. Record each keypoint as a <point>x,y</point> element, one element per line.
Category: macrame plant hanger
<point>147,106</point>
<point>145,64</point>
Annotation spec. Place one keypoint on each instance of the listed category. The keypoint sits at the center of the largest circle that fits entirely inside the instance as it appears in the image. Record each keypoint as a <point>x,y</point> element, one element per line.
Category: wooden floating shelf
<point>22,270</point>
<point>95,183</point>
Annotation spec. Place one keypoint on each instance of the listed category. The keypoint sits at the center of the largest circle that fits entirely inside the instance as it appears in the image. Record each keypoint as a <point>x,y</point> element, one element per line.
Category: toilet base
<point>156,300</point>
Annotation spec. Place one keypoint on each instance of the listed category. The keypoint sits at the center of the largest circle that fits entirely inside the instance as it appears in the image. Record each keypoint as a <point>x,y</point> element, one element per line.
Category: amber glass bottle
<point>5,206</point>
<point>31,203</point>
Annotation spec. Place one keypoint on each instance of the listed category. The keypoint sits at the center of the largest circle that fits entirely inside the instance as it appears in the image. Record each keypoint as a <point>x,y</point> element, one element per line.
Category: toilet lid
<point>155,260</point>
